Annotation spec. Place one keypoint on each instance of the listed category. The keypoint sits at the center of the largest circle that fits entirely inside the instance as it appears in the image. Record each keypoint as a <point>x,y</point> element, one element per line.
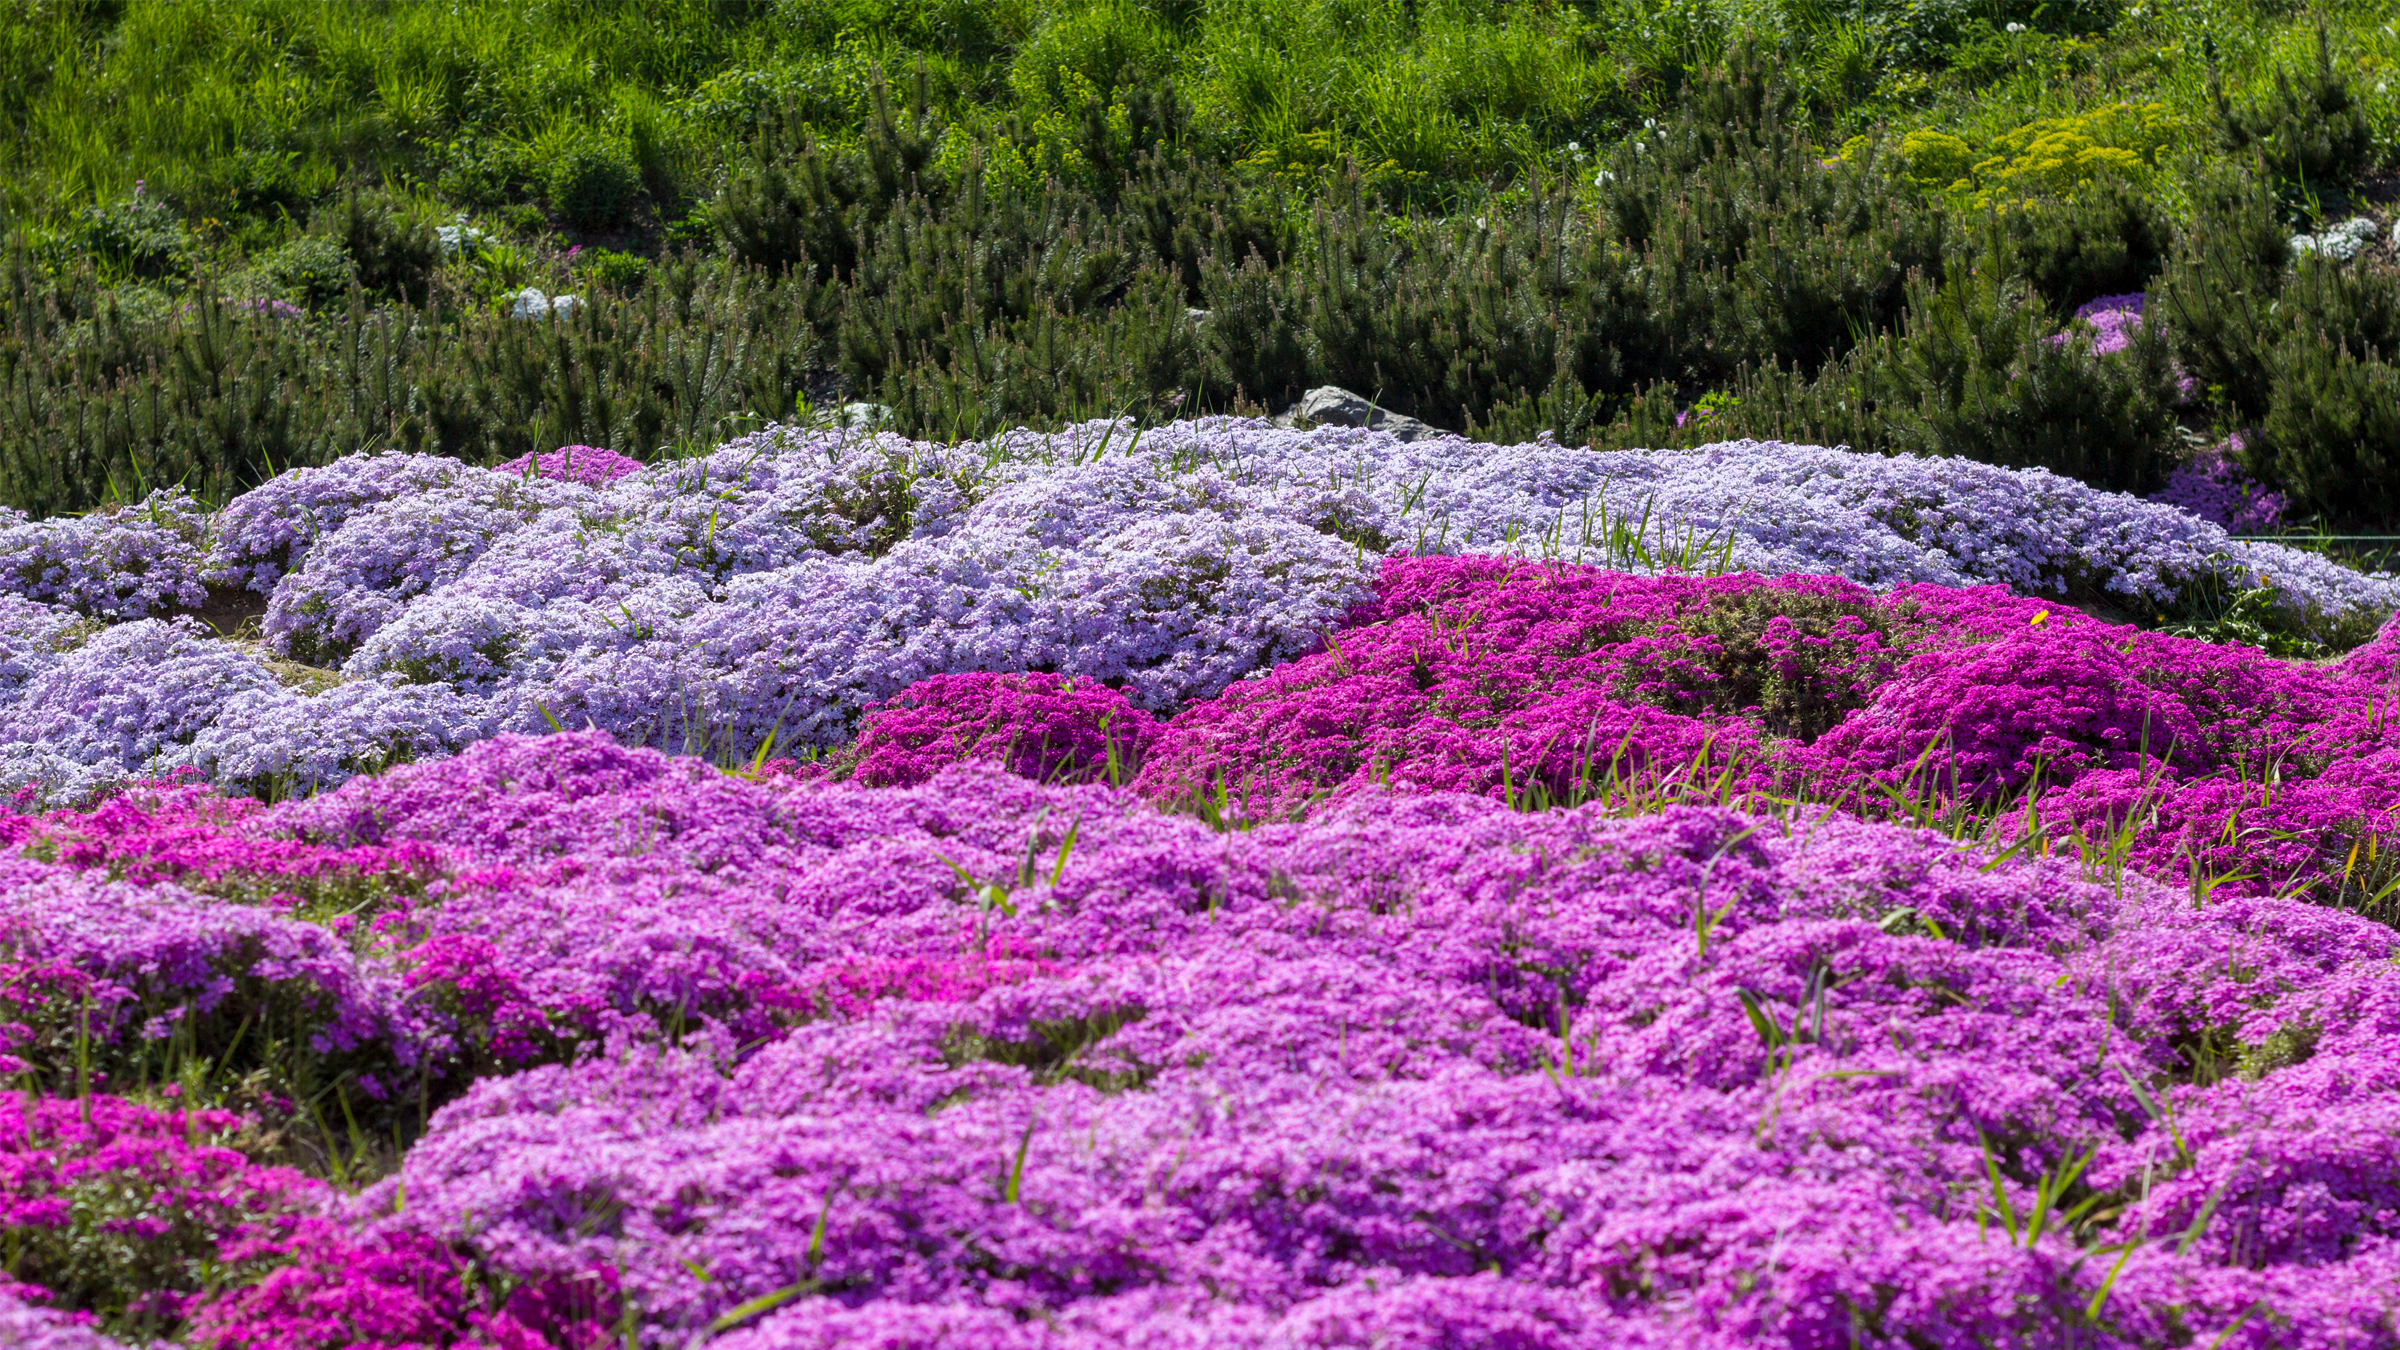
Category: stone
<point>532,304</point>
<point>859,416</point>
<point>1329,405</point>
<point>459,238</point>
<point>2340,242</point>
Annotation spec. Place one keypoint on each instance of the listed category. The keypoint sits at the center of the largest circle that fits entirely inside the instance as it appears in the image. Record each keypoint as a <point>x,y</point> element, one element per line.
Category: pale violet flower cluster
<point>128,563</point>
<point>82,709</point>
<point>768,592</point>
<point>259,533</point>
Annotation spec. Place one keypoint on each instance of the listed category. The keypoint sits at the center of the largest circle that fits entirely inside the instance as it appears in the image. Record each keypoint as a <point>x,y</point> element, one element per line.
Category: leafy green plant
<point>617,271</point>
<point>594,183</point>
<point>390,243</point>
<point>2310,128</point>
<point>312,269</point>
<point>137,236</point>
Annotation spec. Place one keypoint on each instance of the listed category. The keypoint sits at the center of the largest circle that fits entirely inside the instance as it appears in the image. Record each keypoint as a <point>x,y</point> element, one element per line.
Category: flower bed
<point>1233,888</point>
<point>767,593</point>
<point>986,1063</point>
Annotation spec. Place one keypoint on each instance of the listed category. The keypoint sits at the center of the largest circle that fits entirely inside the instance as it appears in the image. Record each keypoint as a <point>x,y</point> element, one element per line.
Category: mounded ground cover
<point>766,594</point>
<point>1881,943</point>
<point>983,1062</point>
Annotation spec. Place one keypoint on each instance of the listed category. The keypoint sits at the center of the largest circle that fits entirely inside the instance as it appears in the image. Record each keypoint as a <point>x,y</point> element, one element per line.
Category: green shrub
<point>2311,129</point>
<point>595,184</point>
<point>1090,53</point>
<point>617,271</point>
<point>312,269</point>
<point>795,203</point>
<point>2110,239</point>
<point>391,243</point>
<point>138,236</point>
<point>2331,436</point>
<point>1975,369</point>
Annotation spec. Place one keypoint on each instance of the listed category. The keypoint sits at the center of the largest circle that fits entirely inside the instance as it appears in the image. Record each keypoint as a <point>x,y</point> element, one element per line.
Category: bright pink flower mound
<point>1516,680</point>
<point>325,1287</point>
<point>1489,675</point>
<point>120,1210</point>
<point>587,464</point>
<point>183,831</point>
<point>1044,727</point>
<point>132,1215</point>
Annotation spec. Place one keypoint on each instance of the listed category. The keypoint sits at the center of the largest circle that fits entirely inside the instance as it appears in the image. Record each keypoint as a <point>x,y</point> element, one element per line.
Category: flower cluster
<point>1551,683</point>
<point>2212,486</point>
<point>2112,320</point>
<point>1038,726</point>
<point>588,464</point>
<point>143,1220</point>
<point>118,1211</point>
<point>983,1062</point>
<point>766,594</point>
<point>133,562</point>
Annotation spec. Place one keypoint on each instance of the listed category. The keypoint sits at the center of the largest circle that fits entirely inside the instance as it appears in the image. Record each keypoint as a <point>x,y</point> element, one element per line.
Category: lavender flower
<point>133,562</point>
<point>2212,486</point>
<point>268,530</point>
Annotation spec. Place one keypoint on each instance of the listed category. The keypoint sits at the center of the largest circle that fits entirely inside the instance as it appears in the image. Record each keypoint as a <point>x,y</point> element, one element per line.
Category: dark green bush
<point>2110,239</point>
<point>797,204</point>
<point>2301,350</point>
<point>2311,129</point>
<point>311,269</point>
<point>1976,369</point>
<point>220,398</point>
<point>390,242</point>
<point>2331,436</point>
<point>595,184</point>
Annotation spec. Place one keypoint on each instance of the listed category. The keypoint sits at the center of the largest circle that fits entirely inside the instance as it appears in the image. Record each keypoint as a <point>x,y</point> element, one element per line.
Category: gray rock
<point>2361,228</point>
<point>859,416</point>
<point>1331,406</point>
<point>532,304</point>
<point>2340,242</point>
<point>459,238</point>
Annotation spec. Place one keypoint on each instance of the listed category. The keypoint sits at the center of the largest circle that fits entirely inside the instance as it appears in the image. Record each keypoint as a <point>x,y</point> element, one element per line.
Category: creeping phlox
<point>1216,887</point>
<point>982,1062</point>
<point>765,594</point>
<point>1542,684</point>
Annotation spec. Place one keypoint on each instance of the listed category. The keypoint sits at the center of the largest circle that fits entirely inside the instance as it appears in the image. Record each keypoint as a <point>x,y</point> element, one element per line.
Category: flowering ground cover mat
<point>1216,887</point>
<point>772,590</point>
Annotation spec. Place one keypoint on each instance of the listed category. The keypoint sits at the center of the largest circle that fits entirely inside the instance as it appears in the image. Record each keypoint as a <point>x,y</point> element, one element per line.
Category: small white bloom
<point>2016,28</point>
